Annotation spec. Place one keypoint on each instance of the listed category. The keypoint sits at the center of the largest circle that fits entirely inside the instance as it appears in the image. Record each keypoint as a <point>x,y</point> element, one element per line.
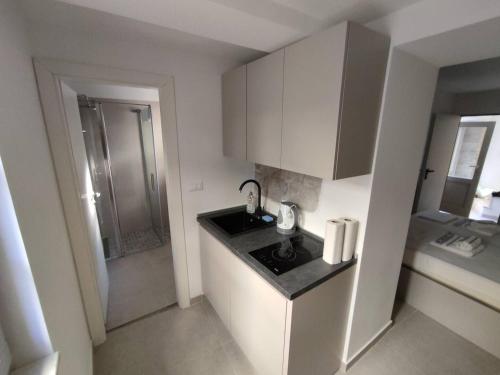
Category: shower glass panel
<point>150,169</point>
<point>130,144</point>
<point>120,144</point>
<point>95,145</point>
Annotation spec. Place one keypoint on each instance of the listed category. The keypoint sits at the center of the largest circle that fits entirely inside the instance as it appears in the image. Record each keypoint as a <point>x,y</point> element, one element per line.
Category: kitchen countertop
<point>290,284</point>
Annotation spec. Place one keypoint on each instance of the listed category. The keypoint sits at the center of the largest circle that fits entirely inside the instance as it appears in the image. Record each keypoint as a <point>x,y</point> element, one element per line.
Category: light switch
<point>197,186</point>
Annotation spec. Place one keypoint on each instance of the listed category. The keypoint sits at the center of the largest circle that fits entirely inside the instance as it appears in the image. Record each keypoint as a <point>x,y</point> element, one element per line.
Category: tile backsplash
<point>278,184</point>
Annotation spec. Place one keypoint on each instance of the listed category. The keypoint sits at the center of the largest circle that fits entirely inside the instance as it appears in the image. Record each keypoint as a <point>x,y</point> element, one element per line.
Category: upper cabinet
<point>331,100</point>
<point>234,112</point>
<point>265,109</point>
<point>311,102</point>
<point>313,107</point>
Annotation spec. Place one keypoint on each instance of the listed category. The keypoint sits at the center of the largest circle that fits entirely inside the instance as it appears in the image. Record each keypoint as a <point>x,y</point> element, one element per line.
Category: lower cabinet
<point>215,259</point>
<point>258,321</point>
<point>278,336</point>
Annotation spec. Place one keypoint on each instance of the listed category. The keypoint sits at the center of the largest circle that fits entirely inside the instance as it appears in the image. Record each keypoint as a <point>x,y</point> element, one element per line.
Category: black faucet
<point>259,207</point>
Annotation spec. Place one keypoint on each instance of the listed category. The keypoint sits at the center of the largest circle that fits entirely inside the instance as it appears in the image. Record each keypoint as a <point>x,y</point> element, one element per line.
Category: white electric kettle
<point>287,218</point>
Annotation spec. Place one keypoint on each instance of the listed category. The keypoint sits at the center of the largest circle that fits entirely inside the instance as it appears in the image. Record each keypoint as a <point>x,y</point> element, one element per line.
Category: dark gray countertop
<point>291,284</point>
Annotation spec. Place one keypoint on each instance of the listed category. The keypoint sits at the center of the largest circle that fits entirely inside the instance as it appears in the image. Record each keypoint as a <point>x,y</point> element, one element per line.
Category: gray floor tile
<point>139,284</point>
<point>241,365</point>
<point>222,332</point>
<point>178,341</point>
<point>418,345</point>
<point>401,311</point>
<point>212,362</point>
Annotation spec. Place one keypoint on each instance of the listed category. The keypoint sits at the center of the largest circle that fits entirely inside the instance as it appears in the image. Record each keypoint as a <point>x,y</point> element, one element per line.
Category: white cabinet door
<point>265,109</point>
<point>258,319</point>
<point>234,113</point>
<point>215,267</point>
<point>311,102</point>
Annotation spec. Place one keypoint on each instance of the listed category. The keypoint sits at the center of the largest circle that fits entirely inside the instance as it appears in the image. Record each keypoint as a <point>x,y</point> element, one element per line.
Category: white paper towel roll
<point>350,237</point>
<point>334,239</point>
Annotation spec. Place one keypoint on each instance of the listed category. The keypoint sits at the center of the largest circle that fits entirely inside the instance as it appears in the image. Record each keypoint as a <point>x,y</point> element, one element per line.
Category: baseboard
<point>344,366</point>
<point>197,299</point>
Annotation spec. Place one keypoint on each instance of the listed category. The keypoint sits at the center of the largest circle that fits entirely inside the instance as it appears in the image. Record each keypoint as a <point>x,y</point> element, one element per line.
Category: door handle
<point>427,171</point>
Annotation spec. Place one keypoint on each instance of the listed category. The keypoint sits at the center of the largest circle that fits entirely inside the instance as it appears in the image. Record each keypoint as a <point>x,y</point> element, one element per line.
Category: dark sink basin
<point>240,222</point>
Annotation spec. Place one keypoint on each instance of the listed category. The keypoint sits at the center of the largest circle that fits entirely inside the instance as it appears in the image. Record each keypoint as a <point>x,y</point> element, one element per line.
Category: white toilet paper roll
<point>334,239</point>
<point>350,237</point>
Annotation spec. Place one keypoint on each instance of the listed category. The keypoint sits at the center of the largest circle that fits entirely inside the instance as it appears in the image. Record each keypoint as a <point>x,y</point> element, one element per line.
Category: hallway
<point>140,284</point>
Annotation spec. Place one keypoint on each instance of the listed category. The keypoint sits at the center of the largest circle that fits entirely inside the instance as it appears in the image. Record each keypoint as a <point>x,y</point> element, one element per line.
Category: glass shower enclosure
<point>120,143</point>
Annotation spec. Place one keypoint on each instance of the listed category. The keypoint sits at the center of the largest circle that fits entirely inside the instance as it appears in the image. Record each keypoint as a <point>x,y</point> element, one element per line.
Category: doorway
<point>457,166</point>
<point>122,153</point>
<point>64,129</point>
<point>469,153</point>
<point>125,158</point>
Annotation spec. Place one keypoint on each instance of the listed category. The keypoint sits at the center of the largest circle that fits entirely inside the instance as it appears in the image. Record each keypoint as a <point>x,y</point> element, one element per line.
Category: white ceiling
<point>220,27</point>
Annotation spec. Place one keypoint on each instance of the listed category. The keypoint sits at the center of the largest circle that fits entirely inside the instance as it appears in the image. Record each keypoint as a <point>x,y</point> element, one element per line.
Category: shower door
<point>100,174</point>
<point>151,169</point>
<point>120,143</point>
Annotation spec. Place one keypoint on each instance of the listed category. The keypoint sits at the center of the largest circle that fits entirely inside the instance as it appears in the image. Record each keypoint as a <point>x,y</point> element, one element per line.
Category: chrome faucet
<point>259,207</point>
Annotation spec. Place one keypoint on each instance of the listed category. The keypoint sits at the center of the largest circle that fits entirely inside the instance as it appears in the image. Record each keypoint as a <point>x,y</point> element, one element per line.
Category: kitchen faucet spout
<point>259,192</point>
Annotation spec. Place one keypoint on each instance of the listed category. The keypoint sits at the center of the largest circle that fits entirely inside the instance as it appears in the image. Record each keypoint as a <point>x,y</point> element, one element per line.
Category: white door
<point>438,161</point>
<point>471,146</point>
<point>86,191</point>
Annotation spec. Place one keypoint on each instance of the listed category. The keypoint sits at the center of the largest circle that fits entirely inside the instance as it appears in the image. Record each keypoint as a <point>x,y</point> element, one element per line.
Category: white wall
<point>403,127</point>
<point>20,310</point>
<point>25,153</point>
<point>343,198</point>
<point>199,119</point>
<point>477,103</point>
<point>5,356</point>
<point>443,102</point>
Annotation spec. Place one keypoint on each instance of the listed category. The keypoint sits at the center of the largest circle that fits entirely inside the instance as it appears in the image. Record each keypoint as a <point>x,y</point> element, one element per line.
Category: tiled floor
<point>139,241</point>
<point>134,242</point>
<point>194,341</point>
<point>173,342</point>
<point>418,345</point>
<point>140,284</point>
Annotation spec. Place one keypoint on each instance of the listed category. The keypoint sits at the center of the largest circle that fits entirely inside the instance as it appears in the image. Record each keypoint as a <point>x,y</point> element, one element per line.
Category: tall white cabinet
<point>313,106</point>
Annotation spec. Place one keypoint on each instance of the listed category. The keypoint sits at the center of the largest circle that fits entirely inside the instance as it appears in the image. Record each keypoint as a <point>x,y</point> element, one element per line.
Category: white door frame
<point>49,75</point>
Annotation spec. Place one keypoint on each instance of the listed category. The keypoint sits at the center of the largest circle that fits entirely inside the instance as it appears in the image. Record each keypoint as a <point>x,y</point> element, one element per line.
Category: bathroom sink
<point>240,222</point>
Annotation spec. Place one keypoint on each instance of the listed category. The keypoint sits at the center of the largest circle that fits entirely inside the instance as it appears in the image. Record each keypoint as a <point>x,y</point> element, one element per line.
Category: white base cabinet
<point>278,336</point>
